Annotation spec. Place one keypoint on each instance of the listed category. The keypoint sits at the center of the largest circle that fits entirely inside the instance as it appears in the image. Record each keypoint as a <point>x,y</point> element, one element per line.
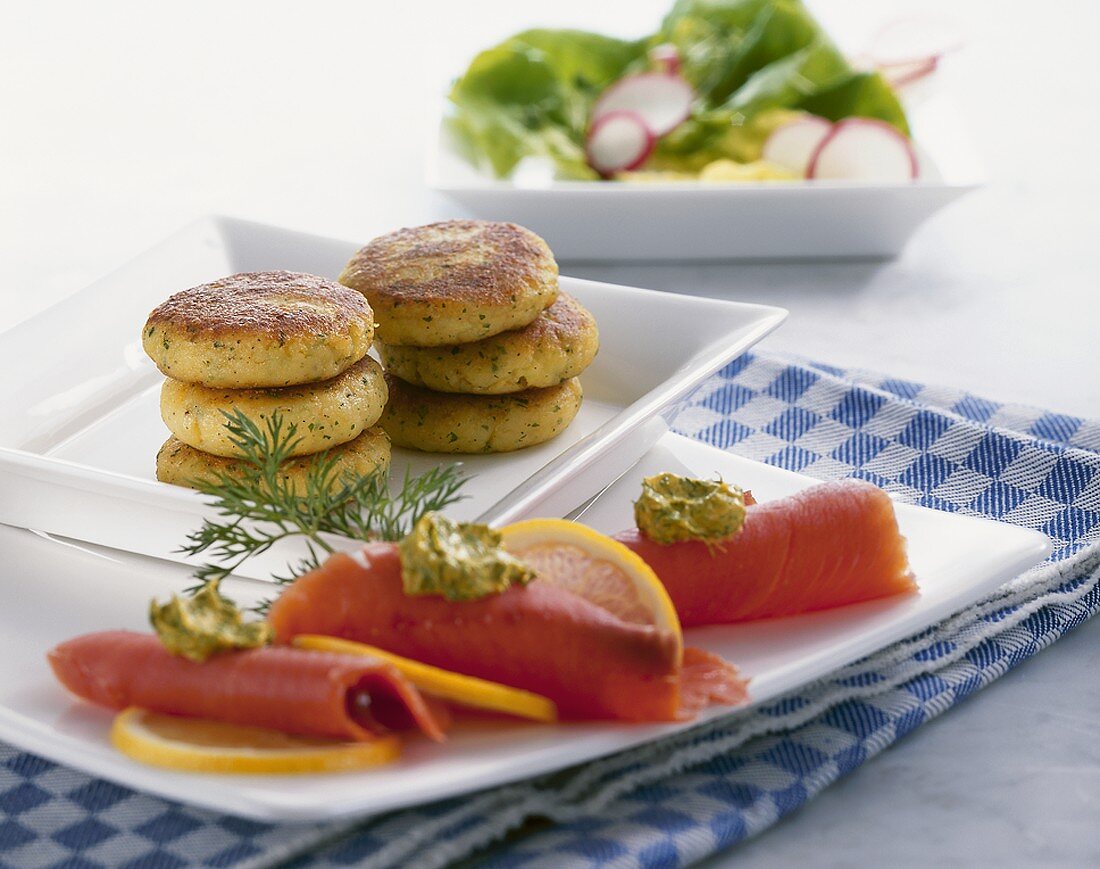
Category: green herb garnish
<point>674,508</point>
<point>257,506</point>
<point>458,560</point>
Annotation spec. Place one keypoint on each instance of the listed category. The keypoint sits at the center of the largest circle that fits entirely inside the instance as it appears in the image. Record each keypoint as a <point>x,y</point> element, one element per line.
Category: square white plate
<point>595,220</point>
<point>53,591</point>
<point>82,427</point>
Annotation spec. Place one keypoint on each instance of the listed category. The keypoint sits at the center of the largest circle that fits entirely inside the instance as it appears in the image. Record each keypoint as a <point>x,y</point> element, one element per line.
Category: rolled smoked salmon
<point>541,638</point>
<point>292,690</point>
<point>829,545</point>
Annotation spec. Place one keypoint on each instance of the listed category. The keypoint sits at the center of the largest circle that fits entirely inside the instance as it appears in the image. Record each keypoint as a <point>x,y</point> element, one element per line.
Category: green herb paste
<point>205,624</point>
<point>460,561</point>
<point>674,508</point>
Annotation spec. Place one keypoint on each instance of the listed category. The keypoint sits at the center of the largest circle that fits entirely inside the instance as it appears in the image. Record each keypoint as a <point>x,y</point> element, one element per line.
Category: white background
<point>120,122</point>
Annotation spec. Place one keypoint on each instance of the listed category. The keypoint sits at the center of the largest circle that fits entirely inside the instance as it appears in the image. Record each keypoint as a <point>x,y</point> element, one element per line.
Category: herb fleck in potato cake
<point>259,329</point>
<point>438,422</point>
<point>454,282</point>
<point>326,414</point>
<point>557,345</point>
<point>184,466</point>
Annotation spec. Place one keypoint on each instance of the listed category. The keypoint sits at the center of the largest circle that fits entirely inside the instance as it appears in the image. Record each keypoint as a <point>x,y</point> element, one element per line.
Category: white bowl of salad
<point>737,130</point>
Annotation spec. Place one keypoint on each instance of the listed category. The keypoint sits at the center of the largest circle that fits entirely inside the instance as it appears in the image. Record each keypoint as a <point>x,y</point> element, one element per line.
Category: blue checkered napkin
<point>54,816</point>
<point>680,800</point>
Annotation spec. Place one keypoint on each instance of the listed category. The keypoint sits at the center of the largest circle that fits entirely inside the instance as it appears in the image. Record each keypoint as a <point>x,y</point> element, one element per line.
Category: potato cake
<point>325,414</point>
<point>454,282</point>
<point>184,466</point>
<point>438,422</point>
<point>559,344</point>
<point>259,329</point>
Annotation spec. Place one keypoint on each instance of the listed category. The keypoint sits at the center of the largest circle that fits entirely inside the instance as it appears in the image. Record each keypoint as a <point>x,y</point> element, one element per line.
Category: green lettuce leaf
<point>532,96</point>
<point>864,95</point>
<point>723,42</point>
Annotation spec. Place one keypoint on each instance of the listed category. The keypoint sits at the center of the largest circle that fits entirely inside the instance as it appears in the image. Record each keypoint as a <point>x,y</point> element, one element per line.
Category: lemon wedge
<point>595,567</point>
<point>444,684</point>
<point>199,745</point>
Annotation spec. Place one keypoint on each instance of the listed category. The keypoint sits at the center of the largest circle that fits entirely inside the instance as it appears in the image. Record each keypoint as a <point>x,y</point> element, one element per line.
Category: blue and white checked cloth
<point>675,802</point>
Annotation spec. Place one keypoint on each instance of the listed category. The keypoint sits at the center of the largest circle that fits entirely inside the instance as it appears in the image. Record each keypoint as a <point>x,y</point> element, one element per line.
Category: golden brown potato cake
<point>443,422</point>
<point>559,344</point>
<point>185,466</point>
<point>259,329</point>
<point>325,414</point>
<point>454,282</point>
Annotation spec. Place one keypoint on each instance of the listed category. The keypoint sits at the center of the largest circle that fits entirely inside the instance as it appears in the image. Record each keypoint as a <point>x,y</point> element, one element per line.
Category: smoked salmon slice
<point>705,680</point>
<point>292,690</point>
<point>829,545</point>
<point>541,638</point>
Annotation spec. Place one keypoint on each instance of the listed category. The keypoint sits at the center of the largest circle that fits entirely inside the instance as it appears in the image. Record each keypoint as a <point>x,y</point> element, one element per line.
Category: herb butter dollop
<point>674,508</point>
<point>458,560</point>
<point>205,624</point>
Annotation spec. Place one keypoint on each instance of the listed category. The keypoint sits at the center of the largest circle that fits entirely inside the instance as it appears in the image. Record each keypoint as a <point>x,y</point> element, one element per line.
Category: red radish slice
<point>665,57</point>
<point>791,145</point>
<point>914,39</point>
<point>864,149</point>
<point>662,100</point>
<point>618,142</point>
<point>904,74</point>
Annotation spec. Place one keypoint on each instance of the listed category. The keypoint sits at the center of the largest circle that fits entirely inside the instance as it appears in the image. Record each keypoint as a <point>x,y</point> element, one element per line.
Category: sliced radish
<point>618,142</point>
<point>902,74</point>
<point>914,39</point>
<point>663,100</point>
<point>666,57</point>
<point>791,145</point>
<point>864,149</point>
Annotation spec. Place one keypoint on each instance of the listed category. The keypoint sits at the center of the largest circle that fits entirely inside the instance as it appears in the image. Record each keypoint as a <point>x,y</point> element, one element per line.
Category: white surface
<point>84,436</point>
<point>113,143</point>
<point>693,220</point>
<point>957,560</point>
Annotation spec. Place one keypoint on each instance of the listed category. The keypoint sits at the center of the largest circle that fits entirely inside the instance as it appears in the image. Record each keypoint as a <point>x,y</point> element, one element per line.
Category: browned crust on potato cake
<point>454,282</point>
<point>277,304</point>
<point>460,260</point>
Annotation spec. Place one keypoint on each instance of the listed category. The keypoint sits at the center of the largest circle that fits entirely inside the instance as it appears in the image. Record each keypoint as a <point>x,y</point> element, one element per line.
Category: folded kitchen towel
<point>674,802</point>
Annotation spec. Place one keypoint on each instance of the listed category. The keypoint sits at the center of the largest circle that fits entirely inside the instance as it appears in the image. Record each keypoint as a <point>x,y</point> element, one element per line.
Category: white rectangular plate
<point>596,220</point>
<point>53,591</point>
<point>81,425</point>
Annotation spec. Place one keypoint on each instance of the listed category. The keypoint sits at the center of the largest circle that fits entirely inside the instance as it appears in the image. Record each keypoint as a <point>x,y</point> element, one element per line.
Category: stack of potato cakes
<point>263,343</point>
<point>481,350</point>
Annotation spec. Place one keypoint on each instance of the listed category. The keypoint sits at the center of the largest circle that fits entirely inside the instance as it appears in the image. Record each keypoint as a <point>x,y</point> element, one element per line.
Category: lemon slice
<point>456,687</point>
<point>199,745</point>
<point>596,567</point>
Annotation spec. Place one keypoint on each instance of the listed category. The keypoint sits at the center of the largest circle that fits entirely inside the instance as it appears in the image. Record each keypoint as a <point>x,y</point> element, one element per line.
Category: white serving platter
<point>597,221</point>
<point>54,590</point>
<point>82,427</point>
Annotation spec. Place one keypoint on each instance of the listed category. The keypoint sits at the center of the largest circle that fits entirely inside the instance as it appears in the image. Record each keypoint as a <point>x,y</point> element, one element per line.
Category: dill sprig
<point>258,506</point>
